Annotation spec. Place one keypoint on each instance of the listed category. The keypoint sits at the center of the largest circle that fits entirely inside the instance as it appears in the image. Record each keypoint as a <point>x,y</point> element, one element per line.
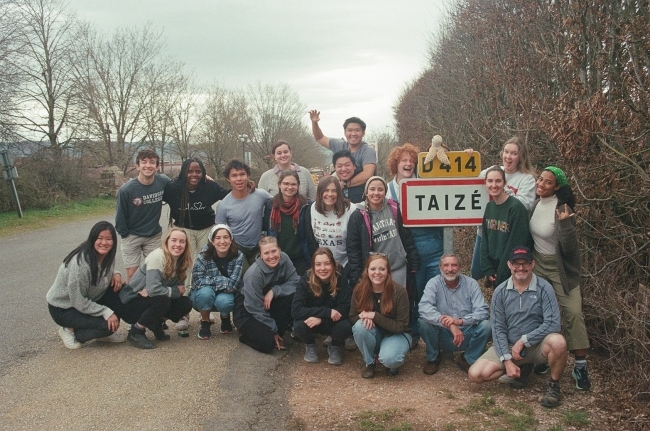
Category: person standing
<point>137,215</point>
<point>281,153</point>
<point>365,157</point>
<point>557,258</point>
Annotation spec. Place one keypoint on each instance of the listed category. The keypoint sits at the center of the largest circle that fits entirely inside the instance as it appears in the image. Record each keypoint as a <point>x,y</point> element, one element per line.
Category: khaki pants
<point>197,239</point>
<point>573,328</point>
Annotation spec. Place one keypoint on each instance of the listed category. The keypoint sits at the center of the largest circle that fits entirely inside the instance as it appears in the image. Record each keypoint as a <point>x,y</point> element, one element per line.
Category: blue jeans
<point>428,241</point>
<point>206,299</point>
<point>392,349</point>
<point>475,270</point>
<point>439,338</point>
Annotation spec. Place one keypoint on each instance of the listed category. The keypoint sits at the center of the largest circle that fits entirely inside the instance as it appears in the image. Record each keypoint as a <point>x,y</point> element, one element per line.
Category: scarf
<point>291,208</point>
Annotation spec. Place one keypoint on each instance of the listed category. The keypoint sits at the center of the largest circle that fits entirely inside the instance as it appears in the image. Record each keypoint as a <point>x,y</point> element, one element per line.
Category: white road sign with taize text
<point>443,201</point>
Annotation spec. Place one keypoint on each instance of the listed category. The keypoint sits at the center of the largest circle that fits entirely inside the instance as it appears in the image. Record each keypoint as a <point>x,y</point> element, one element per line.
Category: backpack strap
<point>393,208</point>
<point>366,221</point>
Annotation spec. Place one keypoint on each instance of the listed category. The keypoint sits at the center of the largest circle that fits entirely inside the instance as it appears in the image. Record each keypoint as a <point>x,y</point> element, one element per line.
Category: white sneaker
<point>183,324</point>
<point>213,319</point>
<point>67,336</point>
<point>115,337</point>
<point>505,379</point>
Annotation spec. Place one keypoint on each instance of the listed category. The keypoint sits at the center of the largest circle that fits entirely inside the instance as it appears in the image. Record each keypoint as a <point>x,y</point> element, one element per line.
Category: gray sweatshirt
<point>150,276</point>
<point>72,289</point>
<point>282,280</point>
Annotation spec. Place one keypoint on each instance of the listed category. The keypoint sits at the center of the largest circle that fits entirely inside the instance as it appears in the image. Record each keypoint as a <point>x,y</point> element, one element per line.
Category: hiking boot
<point>431,367</point>
<point>350,344</point>
<point>205,333</point>
<point>115,337</point>
<point>139,339</point>
<point>541,369</point>
<point>582,378</point>
<point>328,340</point>
<point>160,333</point>
<point>369,371</point>
<point>183,323</point>
<point>226,325</point>
<point>310,353</point>
<point>392,371</point>
<point>524,373</point>
<point>334,353</point>
<point>552,396</point>
<point>462,363</point>
<point>69,341</point>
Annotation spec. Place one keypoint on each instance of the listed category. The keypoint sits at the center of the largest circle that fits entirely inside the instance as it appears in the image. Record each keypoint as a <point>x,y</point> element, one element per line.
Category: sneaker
<point>369,371</point>
<point>581,377</point>
<point>552,396</point>
<point>350,344</point>
<point>310,353</point>
<point>115,337</point>
<point>226,326</point>
<point>139,339</point>
<point>524,374</point>
<point>183,324</point>
<point>541,369</point>
<point>160,334</point>
<point>67,336</point>
<point>205,333</point>
<point>462,363</point>
<point>334,353</point>
<point>213,318</point>
<point>431,367</point>
<point>392,371</point>
<point>328,340</point>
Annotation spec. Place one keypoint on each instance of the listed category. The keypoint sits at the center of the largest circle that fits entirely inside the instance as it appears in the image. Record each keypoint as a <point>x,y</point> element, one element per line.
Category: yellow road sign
<point>461,165</point>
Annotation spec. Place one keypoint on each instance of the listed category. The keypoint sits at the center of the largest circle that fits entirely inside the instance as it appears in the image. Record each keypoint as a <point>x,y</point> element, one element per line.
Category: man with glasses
<point>525,330</point>
<point>345,170</point>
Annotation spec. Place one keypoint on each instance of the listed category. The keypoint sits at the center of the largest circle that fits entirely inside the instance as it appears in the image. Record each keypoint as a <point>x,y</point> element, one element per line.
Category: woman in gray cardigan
<point>83,299</point>
<point>557,259</point>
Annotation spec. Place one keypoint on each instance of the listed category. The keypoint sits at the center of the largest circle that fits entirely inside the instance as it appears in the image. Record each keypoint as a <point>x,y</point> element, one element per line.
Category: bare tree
<point>384,141</point>
<point>116,78</point>
<point>185,117</point>
<point>46,31</point>
<point>9,73</point>
<point>223,119</point>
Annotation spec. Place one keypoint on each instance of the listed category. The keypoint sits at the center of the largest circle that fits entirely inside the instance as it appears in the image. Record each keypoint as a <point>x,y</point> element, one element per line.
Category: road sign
<point>443,201</point>
<point>462,166</point>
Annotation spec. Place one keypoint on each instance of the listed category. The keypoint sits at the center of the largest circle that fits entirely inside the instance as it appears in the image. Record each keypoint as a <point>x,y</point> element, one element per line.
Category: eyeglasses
<point>521,264</point>
<point>373,253</point>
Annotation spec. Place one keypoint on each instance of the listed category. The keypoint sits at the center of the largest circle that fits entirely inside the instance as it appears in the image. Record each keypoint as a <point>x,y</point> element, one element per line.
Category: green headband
<point>559,175</point>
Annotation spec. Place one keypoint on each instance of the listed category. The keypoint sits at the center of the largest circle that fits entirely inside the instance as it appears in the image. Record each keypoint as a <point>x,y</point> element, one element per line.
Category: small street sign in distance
<point>443,201</point>
<point>462,166</point>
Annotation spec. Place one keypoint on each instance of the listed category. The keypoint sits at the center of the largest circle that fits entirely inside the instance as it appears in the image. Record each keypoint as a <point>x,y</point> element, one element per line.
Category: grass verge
<point>11,224</point>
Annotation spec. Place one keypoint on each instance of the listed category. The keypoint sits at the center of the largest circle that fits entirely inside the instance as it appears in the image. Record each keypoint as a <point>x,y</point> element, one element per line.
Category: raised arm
<point>314,116</point>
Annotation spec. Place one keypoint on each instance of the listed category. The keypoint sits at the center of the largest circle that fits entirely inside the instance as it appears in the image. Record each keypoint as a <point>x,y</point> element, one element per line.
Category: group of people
<point>335,259</point>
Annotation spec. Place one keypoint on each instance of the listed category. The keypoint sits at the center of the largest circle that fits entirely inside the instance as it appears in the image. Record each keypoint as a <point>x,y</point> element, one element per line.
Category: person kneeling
<point>263,306</point>
<point>453,316</point>
<point>155,292</point>
<point>525,329</point>
<point>321,305</point>
<point>379,313</point>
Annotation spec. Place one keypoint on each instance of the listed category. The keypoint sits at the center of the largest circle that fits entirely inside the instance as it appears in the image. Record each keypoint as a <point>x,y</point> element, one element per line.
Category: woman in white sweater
<point>83,300</point>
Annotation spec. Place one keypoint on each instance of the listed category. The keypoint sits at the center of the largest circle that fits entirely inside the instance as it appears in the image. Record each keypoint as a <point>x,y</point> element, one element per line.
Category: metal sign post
<point>10,173</point>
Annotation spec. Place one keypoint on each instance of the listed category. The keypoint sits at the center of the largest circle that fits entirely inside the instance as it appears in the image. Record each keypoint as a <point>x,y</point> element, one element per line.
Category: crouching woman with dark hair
<point>321,305</point>
<point>263,306</point>
<point>85,288</point>
<point>155,292</point>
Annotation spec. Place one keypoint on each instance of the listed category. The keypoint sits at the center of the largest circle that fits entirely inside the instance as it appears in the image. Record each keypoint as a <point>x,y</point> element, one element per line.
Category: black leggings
<point>259,336</point>
<point>152,310</point>
<point>339,330</point>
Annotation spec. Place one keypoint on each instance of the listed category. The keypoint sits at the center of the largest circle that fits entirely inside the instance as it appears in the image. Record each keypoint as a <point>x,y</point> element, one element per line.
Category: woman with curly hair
<point>557,259</point>
<point>379,313</point>
<point>321,305</point>
<point>284,219</point>
<point>156,289</point>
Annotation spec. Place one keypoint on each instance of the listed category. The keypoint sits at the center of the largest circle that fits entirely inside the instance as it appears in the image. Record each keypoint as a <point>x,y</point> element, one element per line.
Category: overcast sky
<point>345,58</point>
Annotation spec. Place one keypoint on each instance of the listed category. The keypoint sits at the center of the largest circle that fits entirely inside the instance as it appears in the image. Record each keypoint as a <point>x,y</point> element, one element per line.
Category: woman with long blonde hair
<point>379,313</point>
<point>321,305</point>
<point>157,287</point>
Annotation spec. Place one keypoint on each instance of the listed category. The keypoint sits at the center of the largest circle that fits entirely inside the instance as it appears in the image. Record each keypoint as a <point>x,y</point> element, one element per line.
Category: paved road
<point>184,384</point>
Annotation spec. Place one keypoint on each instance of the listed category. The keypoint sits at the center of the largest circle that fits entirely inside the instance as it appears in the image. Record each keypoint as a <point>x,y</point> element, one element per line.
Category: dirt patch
<point>337,398</point>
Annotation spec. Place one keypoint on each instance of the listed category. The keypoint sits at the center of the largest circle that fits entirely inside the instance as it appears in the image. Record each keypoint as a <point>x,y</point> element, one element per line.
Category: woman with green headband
<point>557,259</point>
